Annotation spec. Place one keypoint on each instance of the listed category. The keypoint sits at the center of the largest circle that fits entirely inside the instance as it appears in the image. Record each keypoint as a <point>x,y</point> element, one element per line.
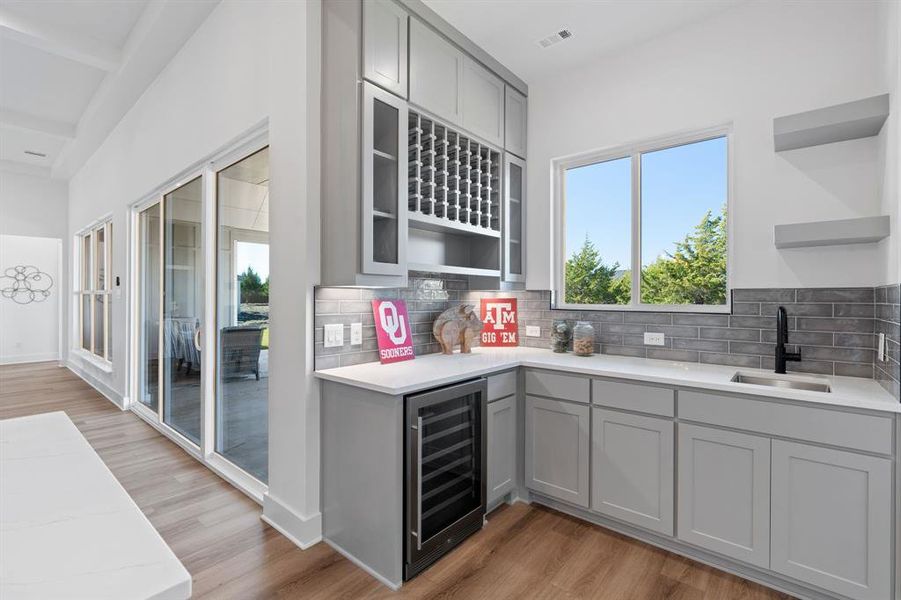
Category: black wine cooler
<point>445,471</point>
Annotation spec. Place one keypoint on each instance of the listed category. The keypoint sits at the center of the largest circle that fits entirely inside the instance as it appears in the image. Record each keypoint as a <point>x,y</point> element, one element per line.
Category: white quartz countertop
<point>68,529</point>
<point>437,369</point>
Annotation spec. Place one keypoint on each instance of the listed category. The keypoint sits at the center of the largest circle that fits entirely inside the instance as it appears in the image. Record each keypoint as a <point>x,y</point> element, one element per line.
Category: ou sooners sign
<point>392,328</point>
<point>500,326</point>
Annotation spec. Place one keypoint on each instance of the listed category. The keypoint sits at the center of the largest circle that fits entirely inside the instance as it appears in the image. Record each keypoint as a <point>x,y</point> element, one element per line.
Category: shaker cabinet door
<point>385,45</point>
<point>724,493</point>
<point>515,119</point>
<point>501,448</point>
<point>483,102</point>
<point>557,449</point>
<point>436,73</point>
<point>832,519</point>
<point>632,468</point>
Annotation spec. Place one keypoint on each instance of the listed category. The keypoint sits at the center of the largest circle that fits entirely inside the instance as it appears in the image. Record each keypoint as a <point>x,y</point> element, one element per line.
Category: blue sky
<point>250,254</point>
<point>679,185</point>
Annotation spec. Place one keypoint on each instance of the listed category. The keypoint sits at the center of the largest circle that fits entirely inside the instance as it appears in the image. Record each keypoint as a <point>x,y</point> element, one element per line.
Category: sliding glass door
<point>149,294</point>
<point>242,398</point>
<point>183,308</point>
<point>202,257</point>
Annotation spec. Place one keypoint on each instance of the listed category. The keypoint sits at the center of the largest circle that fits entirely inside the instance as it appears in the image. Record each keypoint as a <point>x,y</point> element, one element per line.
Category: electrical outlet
<point>334,335</point>
<point>533,331</point>
<point>654,339</point>
<point>881,347</point>
<point>356,334</point>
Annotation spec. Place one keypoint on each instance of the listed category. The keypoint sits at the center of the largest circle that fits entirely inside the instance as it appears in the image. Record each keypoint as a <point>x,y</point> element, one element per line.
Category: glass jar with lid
<point>583,339</point>
<point>561,334</point>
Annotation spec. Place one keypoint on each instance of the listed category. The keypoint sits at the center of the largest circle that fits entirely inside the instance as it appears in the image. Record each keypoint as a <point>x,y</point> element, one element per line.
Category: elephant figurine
<point>457,325</point>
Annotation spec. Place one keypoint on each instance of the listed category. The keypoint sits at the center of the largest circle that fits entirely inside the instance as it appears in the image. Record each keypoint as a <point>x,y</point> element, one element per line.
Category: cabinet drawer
<point>501,385</point>
<point>628,396</point>
<point>851,430</point>
<point>555,385</point>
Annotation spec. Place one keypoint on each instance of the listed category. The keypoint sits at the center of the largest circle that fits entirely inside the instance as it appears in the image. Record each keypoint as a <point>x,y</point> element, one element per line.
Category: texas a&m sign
<point>500,325</point>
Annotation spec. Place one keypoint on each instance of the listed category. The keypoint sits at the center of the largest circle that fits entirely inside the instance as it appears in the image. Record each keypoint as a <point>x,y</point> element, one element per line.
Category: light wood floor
<point>523,552</point>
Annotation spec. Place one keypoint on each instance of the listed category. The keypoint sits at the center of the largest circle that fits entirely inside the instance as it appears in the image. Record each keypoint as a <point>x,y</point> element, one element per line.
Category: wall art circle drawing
<point>24,284</point>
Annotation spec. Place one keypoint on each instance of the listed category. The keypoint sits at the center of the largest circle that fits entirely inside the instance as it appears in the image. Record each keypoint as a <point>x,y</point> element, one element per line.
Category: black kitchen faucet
<point>781,339</point>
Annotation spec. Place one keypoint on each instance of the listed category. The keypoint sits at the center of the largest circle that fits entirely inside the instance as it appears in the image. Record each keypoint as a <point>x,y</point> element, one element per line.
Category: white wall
<point>248,62</point>
<point>889,40</point>
<point>746,66</point>
<point>36,206</point>
<point>29,319</point>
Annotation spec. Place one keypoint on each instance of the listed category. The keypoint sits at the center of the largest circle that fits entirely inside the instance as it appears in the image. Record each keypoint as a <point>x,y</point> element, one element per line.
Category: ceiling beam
<point>12,119</point>
<point>56,40</point>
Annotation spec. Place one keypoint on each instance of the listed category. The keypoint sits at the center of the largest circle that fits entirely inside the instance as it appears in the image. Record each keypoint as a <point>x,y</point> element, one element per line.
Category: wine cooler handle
<point>417,517</point>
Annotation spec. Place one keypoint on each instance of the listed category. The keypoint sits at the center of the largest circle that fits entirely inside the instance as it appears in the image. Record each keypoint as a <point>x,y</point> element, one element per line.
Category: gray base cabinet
<point>632,468</point>
<point>557,449</point>
<point>501,448</point>
<point>724,492</point>
<point>830,522</point>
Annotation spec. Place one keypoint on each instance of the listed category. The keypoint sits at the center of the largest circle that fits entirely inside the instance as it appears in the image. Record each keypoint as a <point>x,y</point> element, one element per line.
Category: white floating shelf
<point>849,121</point>
<point>453,270</point>
<point>832,233</point>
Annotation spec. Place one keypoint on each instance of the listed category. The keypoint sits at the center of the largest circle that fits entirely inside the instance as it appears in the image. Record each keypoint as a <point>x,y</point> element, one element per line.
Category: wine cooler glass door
<point>446,467</point>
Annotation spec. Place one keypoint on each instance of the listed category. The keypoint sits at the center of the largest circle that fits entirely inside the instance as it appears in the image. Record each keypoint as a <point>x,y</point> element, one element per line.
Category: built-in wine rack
<point>452,178</point>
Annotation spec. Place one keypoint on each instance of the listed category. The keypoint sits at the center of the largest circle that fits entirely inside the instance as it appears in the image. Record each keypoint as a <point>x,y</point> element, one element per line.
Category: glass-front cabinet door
<point>514,218</point>
<point>384,178</point>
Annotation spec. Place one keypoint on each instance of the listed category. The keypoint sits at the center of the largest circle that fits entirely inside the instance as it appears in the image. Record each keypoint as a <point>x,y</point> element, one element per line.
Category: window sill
<point>725,309</point>
<point>104,365</point>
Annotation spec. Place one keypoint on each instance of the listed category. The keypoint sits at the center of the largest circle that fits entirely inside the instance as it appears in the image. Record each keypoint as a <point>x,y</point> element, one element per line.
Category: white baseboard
<point>18,359</point>
<point>394,586</point>
<point>303,531</point>
<point>105,390</point>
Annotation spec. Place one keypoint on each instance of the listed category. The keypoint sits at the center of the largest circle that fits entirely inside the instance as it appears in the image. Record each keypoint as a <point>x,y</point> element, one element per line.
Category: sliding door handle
<point>197,339</point>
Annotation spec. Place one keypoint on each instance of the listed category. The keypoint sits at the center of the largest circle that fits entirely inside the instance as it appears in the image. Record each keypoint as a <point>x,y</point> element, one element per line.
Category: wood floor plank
<point>524,552</point>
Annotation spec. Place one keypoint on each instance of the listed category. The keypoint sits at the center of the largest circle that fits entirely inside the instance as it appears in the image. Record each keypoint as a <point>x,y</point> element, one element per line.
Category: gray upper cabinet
<point>632,468</point>
<point>557,449</point>
<point>515,119</point>
<point>724,492</point>
<point>436,73</point>
<point>501,448</point>
<point>385,45</point>
<point>483,102</point>
<point>832,516</point>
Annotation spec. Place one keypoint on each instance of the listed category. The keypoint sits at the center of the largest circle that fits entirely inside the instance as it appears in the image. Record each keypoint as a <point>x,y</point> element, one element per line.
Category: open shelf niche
<point>454,201</point>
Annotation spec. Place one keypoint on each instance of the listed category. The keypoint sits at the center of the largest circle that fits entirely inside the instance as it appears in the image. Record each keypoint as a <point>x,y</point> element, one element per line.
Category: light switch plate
<point>334,335</point>
<point>356,334</point>
<point>654,339</point>
<point>533,331</point>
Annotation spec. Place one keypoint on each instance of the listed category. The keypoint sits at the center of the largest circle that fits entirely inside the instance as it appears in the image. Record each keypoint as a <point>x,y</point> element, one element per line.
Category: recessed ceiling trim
<point>60,42</point>
<point>25,122</point>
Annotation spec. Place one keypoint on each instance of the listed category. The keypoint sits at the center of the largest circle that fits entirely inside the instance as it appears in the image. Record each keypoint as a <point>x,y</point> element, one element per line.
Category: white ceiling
<point>70,70</point>
<point>509,30</point>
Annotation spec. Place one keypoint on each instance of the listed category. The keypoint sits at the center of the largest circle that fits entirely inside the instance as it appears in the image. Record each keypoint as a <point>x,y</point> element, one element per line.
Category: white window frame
<point>85,284</point>
<point>634,151</point>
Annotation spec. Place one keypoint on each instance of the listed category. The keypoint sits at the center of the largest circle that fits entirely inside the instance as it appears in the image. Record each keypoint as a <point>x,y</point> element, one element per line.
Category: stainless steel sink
<point>810,385</point>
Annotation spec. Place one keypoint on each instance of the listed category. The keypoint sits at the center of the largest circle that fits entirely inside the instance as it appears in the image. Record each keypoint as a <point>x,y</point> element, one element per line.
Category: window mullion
<point>636,229</point>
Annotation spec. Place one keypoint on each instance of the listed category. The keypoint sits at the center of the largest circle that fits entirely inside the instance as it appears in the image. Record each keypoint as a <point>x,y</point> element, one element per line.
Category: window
<point>646,226</point>
<point>93,290</point>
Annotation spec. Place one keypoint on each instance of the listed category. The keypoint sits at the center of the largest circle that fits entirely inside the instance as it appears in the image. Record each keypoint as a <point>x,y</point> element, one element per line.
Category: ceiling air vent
<point>556,38</point>
<point>33,153</point>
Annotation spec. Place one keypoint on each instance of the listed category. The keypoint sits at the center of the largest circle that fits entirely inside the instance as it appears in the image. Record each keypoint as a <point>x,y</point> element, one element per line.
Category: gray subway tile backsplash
<point>835,328</point>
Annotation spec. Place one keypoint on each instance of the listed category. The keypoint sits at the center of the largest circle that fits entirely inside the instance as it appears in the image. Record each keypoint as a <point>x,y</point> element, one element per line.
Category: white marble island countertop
<point>68,529</point>
<point>436,370</point>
